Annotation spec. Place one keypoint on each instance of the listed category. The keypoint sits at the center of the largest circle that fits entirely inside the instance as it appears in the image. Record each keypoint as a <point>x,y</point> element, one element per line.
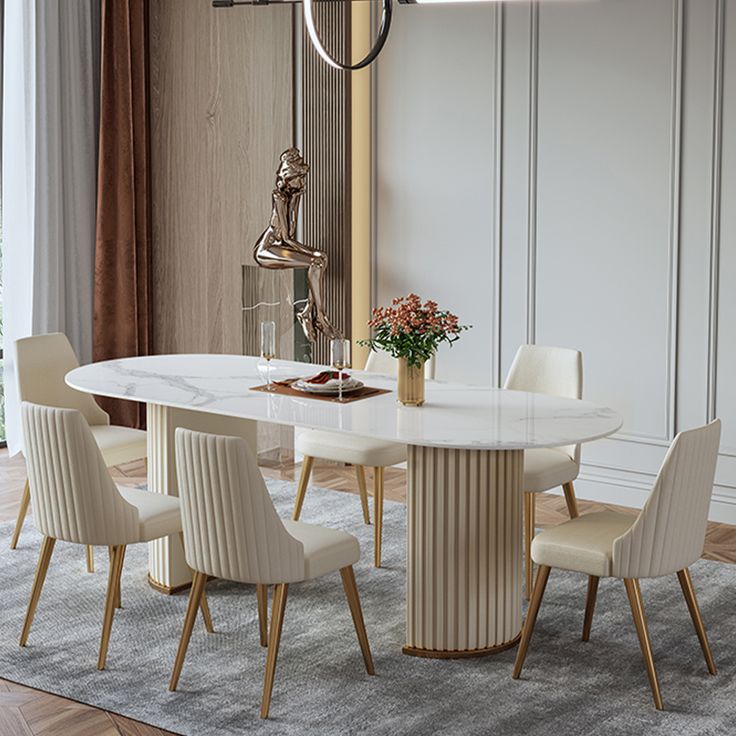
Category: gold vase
<point>411,383</point>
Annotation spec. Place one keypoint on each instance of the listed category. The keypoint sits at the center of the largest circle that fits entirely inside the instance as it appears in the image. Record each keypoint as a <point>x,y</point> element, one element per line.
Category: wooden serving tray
<point>283,388</point>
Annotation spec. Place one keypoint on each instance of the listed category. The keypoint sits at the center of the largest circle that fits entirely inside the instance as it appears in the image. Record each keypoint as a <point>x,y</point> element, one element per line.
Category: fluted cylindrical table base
<point>464,551</point>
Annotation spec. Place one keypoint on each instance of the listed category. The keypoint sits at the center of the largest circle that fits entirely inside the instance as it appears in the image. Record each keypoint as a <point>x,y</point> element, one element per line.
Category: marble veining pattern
<point>468,417</point>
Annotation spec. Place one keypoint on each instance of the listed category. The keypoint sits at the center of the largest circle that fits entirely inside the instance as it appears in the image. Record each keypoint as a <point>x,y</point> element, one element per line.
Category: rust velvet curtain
<point>122,316</point>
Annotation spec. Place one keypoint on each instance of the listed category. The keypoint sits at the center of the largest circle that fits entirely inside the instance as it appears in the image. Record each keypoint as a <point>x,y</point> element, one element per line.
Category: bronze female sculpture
<point>278,247</point>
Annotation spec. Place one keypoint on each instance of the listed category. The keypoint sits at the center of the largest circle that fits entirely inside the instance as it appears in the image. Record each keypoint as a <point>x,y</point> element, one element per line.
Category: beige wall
<point>221,109</point>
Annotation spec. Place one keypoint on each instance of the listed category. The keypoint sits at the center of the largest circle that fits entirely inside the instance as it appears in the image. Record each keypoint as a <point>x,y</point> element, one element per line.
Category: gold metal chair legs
<point>25,500</point>
<point>262,597</point>
<point>640,621</point>
<point>377,500</point>
<point>277,621</point>
<point>590,605</point>
<point>113,591</point>
<point>360,473</point>
<point>572,502</point>
<point>688,591</point>
<point>196,593</point>
<point>529,528</point>
<point>204,606</point>
<point>377,515</point>
<point>531,619</point>
<point>301,490</point>
<point>633,592</point>
<point>47,548</point>
<point>351,593</point>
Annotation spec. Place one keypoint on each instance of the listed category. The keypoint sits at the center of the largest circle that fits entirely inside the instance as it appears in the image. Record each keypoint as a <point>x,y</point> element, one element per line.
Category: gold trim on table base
<point>165,589</point>
<point>464,551</point>
<point>432,654</point>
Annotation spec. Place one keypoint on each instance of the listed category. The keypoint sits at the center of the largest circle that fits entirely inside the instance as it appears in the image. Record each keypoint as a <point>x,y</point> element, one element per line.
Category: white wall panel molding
<point>498,90</point>
<point>532,178</point>
<point>715,208</point>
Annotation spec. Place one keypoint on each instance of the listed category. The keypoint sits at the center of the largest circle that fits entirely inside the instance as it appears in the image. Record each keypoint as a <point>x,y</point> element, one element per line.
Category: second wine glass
<point>340,359</point>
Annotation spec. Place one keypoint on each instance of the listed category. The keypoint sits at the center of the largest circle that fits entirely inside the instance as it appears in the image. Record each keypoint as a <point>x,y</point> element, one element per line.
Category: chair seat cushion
<point>349,448</point>
<point>158,515</point>
<point>547,468</point>
<point>584,544</point>
<point>119,444</point>
<point>325,550</point>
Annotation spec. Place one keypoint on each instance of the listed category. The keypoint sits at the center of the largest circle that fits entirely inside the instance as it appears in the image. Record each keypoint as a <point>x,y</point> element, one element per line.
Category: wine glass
<point>268,348</point>
<point>340,358</point>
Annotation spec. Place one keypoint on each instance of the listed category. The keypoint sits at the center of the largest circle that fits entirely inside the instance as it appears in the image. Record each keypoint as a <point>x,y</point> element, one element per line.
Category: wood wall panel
<point>221,106</point>
<point>326,136</point>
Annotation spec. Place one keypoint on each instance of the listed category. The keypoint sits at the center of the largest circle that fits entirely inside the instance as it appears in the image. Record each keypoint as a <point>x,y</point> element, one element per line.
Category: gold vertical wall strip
<point>464,551</point>
<point>327,148</point>
<point>361,182</point>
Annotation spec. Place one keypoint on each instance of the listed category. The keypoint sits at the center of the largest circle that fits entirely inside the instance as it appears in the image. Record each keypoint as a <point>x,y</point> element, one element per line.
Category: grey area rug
<point>321,685</point>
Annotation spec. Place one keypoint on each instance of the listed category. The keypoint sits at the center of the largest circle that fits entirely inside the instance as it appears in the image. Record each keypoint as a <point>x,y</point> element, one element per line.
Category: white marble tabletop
<point>454,415</point>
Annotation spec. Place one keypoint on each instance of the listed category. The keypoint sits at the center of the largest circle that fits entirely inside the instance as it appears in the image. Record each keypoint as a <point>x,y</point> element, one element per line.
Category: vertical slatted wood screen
<point>327,148</point>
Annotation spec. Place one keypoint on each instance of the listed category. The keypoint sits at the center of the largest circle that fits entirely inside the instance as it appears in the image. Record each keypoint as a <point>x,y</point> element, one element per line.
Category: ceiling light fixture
<point>386,10</point>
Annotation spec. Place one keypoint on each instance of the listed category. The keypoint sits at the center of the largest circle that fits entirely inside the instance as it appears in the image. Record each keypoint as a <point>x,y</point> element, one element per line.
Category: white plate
<point>348,386</point>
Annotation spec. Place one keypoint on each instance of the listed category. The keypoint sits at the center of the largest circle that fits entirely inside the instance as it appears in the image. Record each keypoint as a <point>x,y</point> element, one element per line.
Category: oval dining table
<point>465,471</point>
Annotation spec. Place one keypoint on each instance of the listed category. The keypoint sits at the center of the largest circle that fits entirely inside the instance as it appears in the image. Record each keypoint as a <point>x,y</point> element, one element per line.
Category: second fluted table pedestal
<point>464,551</point>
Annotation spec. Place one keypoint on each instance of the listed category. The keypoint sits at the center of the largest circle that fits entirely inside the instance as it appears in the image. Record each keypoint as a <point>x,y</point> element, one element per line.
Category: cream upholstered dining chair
<point>232,531</point>
<point>357,451</point>
<point>75,500</point>
<point>665,538</point>
<point>559,372</point>
<point>42,361</point>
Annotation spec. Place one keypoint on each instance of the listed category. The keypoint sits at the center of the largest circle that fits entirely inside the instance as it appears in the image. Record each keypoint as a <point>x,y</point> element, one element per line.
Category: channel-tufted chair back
<point>548,370</point>
<point>231,528</point>
<point>73,496</point>
<point>669,533</point>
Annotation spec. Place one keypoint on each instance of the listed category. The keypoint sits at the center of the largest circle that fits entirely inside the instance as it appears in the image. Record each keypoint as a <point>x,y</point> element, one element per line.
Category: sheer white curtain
<point>49,165</point>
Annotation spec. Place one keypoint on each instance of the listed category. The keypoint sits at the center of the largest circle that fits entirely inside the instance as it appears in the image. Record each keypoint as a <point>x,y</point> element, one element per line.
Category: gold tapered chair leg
<point>90,555</point>
<point>530,500</point>
<point>25,500</point>
<point>113,587</point>
<point>195,598</point>
<point>640,621</point>
<point>590,605</point>
<point>688,591</point>
<point>278,606</point>
<point>118,598</point>
<point>377,515</point>
<point>301,491</point>
<point>351,593</point>
<point>203,605</point>
<point>47,548</point>
<point>531,619</point>
<point>570,500</point>
<point>360,472</point>
<point>262,598</point>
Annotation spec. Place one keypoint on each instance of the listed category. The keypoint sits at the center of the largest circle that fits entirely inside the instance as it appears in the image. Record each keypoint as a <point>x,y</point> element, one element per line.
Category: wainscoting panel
<point>577,162</point>
<point>606,192</point>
